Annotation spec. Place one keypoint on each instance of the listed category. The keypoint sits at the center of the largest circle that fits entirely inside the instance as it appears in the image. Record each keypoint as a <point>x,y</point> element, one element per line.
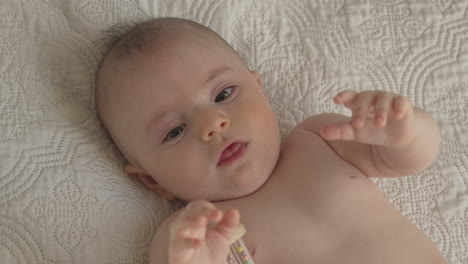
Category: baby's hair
<point>122,39</point>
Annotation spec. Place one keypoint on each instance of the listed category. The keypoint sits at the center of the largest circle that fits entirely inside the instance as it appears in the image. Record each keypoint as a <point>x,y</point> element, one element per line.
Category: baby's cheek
<point>245,177</point>
<point>266,118</point>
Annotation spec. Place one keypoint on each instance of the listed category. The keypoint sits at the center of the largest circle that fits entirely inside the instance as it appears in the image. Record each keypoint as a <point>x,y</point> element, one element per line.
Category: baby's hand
<point>379,118</point>
<point>201,234</point>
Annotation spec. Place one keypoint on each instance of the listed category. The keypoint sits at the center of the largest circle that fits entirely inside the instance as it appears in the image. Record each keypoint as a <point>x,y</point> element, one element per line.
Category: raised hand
<point>201,234</point>
<point>378,117</point>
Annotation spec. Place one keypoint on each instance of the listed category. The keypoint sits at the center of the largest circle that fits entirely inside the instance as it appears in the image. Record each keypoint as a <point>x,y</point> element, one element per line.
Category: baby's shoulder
<point>308,131</point>
<point>315,122</point>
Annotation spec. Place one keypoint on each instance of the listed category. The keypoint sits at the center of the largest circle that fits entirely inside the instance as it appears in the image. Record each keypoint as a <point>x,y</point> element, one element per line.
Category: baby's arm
<point>199,233</point>
<point>385,137</point>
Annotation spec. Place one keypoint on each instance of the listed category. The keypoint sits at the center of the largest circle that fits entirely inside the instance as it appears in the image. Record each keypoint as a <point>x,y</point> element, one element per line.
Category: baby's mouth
<point>231,153</point>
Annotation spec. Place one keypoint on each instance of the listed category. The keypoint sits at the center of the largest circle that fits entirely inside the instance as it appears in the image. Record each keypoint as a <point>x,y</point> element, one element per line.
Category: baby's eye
<point>175,132</point>
<point>224,94</point>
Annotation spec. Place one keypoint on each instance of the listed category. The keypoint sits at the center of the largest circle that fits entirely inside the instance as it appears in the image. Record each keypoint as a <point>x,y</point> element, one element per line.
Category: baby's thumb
<point>228,224</point>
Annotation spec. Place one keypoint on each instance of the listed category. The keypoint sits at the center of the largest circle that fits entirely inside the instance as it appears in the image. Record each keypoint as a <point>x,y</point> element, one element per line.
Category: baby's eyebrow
<point>156,122</point>
<point>217,72</point>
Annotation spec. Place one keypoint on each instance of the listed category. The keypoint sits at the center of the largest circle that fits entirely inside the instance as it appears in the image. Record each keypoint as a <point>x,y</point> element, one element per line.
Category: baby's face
<point>192,116</point>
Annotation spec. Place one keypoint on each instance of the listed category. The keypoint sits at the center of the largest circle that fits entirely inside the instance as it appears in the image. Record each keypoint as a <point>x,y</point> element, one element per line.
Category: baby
<point>194,123</point>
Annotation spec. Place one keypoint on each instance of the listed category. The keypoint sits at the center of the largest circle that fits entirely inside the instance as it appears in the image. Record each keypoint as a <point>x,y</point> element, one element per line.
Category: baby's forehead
<point>170,54</point>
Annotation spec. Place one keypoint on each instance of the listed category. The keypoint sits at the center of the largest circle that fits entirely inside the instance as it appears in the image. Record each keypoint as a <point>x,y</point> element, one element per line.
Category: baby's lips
<point>229,150</point>
<point>232,152</point>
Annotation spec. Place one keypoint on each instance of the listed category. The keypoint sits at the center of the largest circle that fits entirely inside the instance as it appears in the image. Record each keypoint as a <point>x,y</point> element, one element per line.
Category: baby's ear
<point>142,176</point>
<point>256,75</point>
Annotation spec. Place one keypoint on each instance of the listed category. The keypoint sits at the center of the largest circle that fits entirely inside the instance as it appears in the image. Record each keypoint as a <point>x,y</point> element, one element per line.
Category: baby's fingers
<point>382,109</point>
<point>192,222</point>
<point>342,131</point>
<point>345,97</point>
<point>361,107</point>
<point>400,107</point>
<point>360,103</point>
<point>228,223</point>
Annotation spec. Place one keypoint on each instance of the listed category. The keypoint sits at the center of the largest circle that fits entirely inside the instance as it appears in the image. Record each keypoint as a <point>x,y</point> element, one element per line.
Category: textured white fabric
<point>63,196</point>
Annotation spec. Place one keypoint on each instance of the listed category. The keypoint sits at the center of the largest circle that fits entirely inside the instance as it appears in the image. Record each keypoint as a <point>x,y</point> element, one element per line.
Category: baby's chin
<point>252,179</point>
<point>249,183</point>
<point>238,188</point>
<point>247,179</point>
<point>245,184</point>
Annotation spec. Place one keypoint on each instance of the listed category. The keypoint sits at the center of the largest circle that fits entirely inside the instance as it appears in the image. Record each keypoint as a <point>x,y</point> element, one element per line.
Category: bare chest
<point>316,208</point>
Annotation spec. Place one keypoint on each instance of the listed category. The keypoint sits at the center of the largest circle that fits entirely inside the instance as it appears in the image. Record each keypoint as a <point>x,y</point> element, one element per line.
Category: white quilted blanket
<point>63,195</point>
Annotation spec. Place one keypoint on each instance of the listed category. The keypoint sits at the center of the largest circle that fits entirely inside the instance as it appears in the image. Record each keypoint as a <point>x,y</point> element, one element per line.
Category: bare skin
<point>306,200</point>
<point>334,214</point>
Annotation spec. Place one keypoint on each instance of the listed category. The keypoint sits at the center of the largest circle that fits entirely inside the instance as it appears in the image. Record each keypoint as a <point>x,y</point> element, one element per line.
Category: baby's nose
<point>213,124</point>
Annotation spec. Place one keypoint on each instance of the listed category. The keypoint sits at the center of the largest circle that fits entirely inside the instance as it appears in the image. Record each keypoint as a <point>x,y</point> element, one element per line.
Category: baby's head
<point>177,101</point>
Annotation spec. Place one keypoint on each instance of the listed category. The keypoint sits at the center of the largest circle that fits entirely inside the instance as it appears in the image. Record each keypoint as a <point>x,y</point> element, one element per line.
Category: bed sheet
<point>63,196</point>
